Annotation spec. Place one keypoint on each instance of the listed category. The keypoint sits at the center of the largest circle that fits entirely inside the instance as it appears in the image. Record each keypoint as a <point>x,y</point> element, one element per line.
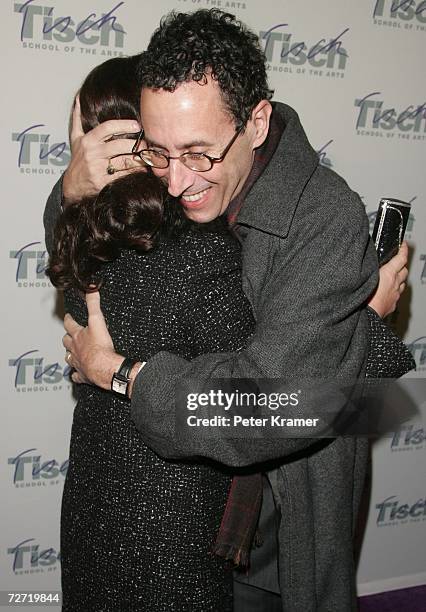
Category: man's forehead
<point>190,116</point>
<point>190,98</point>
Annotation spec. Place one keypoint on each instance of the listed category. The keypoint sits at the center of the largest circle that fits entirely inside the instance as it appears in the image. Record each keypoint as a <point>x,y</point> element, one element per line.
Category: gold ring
<point>110,168</point>
<point>67,357</point>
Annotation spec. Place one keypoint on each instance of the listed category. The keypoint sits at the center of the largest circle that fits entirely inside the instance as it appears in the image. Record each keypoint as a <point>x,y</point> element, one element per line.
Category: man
<point>211,133</point>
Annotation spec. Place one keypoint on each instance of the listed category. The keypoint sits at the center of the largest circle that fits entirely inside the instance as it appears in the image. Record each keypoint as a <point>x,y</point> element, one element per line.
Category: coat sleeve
<point>51,214</point>
<point>310,321</point>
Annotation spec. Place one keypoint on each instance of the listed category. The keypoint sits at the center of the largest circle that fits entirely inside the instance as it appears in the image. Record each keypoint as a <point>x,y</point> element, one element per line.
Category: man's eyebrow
<point>183,147</point>
<point>196,143</point>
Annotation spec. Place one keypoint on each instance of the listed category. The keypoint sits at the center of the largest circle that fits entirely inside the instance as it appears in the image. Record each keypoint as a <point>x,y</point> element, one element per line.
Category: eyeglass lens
<point>190,160</point>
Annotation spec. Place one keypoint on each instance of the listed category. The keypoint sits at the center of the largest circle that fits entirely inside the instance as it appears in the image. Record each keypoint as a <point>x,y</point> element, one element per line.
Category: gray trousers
<point>249,598</point>
<point>258,590</point>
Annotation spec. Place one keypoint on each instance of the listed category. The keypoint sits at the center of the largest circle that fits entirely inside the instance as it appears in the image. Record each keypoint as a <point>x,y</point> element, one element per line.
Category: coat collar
<point>272,201</point>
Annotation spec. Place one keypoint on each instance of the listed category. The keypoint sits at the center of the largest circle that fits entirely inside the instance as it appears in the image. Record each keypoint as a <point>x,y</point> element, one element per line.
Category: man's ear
<point>260,118</point>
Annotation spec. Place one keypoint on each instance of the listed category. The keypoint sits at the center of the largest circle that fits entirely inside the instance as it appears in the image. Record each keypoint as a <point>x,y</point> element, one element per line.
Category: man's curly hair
<point>191,46</point>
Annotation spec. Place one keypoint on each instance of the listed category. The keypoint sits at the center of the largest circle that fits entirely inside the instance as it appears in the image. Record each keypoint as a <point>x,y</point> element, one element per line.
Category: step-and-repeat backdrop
<point>355,73</point>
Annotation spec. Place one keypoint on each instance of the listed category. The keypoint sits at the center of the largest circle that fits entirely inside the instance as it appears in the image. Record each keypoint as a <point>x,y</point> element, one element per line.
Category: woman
<point>137,530</point>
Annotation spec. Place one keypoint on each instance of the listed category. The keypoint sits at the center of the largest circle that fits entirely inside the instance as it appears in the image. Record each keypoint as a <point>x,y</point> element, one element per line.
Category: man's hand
<point>90,349</point>
<point>391,284</point>
<point>87,173</point>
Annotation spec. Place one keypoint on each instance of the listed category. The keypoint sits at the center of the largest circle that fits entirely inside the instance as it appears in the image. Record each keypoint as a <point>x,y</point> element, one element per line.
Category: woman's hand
<point>391,283</point>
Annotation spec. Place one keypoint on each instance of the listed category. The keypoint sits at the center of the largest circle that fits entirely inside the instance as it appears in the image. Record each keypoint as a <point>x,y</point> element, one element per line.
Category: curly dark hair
<point>128,213</point>
<point>191,46</point>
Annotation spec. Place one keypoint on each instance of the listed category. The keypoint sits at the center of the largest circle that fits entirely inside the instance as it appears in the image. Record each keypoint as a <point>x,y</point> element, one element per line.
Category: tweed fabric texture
<point>388,356</point>
<point>137,530</point>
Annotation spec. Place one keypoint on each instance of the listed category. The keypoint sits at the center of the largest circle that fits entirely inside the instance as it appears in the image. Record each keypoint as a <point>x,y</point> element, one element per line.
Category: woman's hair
<point>127,213</point>
<point>110,91</point>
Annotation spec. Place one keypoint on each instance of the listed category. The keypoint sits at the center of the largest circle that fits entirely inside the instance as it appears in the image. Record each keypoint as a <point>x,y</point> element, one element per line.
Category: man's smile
<point>194,198</point>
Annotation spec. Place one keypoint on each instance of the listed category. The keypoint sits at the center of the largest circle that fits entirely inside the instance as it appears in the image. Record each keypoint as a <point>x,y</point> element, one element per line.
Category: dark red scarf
<point>238,528</point>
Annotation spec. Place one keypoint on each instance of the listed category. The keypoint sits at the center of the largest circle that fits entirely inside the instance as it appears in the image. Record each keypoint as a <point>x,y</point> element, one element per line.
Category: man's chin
<point>200,216</point>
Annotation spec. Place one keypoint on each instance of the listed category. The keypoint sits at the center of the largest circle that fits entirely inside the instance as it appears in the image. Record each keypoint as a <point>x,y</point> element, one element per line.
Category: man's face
<point>193,118</point>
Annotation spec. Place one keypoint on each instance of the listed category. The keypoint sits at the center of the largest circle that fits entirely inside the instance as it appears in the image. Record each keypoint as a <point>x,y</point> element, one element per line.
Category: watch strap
<point>126,367</point>
<point>120,379</point>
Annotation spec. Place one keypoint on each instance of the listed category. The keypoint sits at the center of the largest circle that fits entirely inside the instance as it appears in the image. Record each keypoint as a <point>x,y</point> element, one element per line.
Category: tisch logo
<point>374,114</point>
<point>409,437</point>
<point>398,14</point>
<point>31,264</point>
<point>32,373</point>
<point>323,155</point>
<point>28,557</point>
<point>391,511</point>
<point>423,272</point>
<point>418,350</point>
<point>221,4</point>
<point>326,57</point>
<point>37,155</point>
<point>43,29</point>
<point>29,469</point>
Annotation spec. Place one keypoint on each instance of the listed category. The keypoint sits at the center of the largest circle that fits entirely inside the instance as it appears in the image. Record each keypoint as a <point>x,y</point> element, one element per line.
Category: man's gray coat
<point>308,271</point>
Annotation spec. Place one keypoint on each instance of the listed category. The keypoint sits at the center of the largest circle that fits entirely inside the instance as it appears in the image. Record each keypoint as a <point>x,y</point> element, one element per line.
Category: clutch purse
<point>389,228</point>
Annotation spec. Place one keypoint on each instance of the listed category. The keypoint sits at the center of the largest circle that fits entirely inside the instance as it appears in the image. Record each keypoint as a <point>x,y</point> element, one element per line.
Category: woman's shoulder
<point>190,251</point>
<point>204,246</point>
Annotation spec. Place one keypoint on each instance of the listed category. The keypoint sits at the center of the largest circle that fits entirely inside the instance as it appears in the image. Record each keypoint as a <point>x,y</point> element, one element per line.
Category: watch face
<point>119,386</point>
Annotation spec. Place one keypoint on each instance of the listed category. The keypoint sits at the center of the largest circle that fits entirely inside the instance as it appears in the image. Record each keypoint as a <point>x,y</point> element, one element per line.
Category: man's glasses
<point>199,162</point>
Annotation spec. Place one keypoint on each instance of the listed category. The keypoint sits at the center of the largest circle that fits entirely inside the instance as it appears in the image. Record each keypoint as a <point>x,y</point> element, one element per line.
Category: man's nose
<point>179,177</point>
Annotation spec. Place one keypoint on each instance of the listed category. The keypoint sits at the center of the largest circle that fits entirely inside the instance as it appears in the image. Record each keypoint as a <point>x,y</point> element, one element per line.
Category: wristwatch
<point>120,379</point>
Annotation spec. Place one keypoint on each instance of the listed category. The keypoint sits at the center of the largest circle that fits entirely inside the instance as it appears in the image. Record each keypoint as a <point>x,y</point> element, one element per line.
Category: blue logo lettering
<point>65,29</point>
<point>57,154</point>
<point>39,373</point>
<point>371,114</point>
<point>31,556</point>
<point>322,54</point>
<point>47,469</point>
